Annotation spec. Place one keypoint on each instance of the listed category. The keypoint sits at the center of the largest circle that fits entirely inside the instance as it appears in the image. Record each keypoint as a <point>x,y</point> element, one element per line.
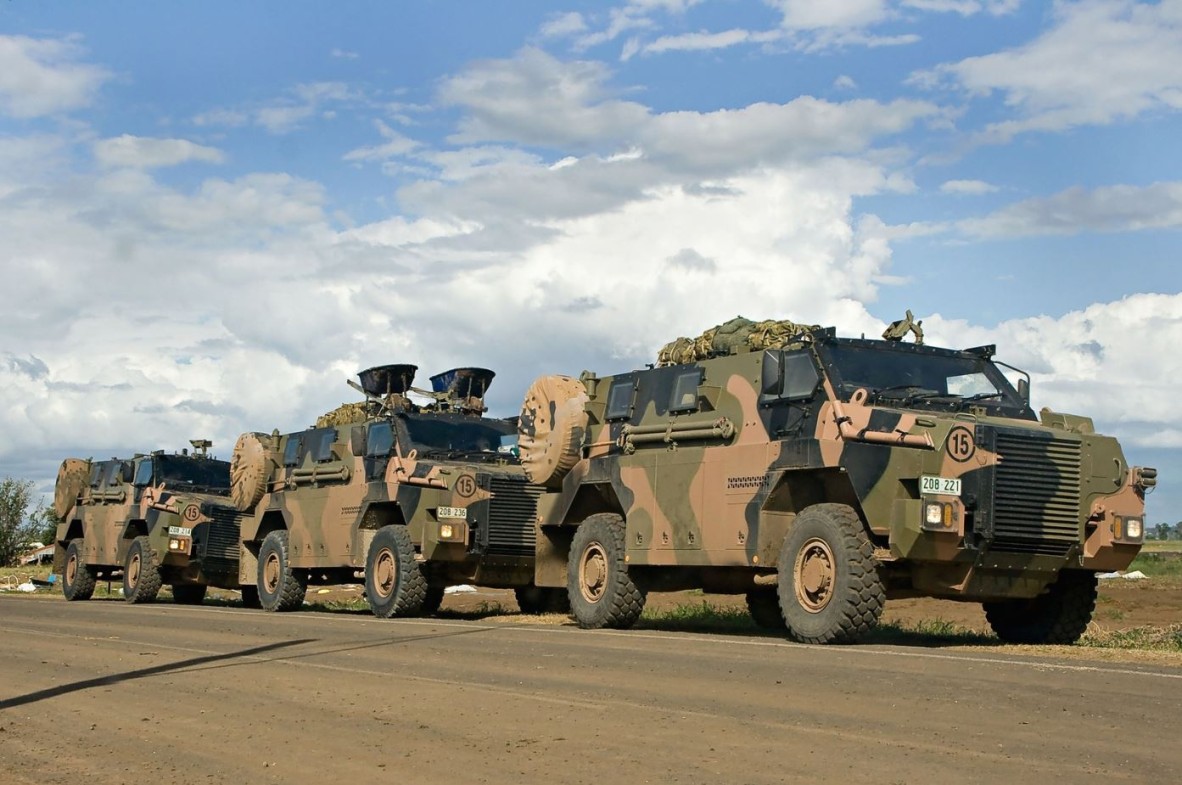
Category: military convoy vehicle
<point>419,497</point>
<point>153,520</point>
<point>821,475</point>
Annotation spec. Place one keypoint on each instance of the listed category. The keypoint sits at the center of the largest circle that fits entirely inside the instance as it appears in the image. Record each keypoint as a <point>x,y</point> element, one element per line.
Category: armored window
<point>800,377</point>
<point>96,473</point>
<point>291,453</point>
<point>113,473</point>
<point>619,399</point>
<point>319,444</point>
<point>380,440</point>
<point>143,473</point>
<point>685,391</point>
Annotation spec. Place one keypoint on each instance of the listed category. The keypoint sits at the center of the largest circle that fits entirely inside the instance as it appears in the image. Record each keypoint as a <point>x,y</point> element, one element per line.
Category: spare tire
<point>250,469</point>
<point>551,429</point>
<point>72,476</point>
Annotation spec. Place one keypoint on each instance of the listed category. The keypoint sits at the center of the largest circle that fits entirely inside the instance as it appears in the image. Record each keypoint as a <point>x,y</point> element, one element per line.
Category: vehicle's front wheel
<point>141,575</point>
<point>78,580</point>
<point>601,592</point>
<point>1059,616</point>
<point>394,580</point>
<point>542,599</point>
<point>828,584</point>
<point>280,587</point>
<point>189,593</point>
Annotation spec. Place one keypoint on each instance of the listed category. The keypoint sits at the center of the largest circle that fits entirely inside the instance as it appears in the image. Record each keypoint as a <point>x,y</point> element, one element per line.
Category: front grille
<point>511,514</point>
<point>1036,493</point>
<point>222,536</point>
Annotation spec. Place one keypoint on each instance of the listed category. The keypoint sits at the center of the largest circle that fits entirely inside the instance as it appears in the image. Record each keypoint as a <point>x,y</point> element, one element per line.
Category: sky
<point>214,213</point>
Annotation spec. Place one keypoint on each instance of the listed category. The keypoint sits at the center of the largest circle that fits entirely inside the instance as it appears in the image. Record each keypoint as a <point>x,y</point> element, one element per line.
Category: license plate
<point>943,486</point>
<point>180,531</point>
<point>452,512</point>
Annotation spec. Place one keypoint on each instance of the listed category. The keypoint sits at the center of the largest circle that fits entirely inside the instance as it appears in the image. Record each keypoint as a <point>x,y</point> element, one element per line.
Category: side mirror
<point>772,379</point>
<point>357,441</point>
<point>1024,390</point>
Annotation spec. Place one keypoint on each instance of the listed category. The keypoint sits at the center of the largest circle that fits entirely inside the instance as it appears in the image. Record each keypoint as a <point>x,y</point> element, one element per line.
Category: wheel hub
<point>271,573</point>
<point>133,571</point>
<point>71,569</point>
<point>815,573</point>
<point>385,573</point>
<point>593,572</point>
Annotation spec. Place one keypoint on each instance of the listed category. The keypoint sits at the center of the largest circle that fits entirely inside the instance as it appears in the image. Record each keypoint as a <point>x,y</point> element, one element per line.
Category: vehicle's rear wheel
<point>250,597</point>
<point>394,580</point>
<point>78,580</point>
<point>542,599</point>
<point>828,584</point>
<point>601,592</point>
<point>764,607</point>
<point>1059,616</point>
<point>280,587</point>
<point>141,574</point>
<point>432,599</point>
<point>188,593</point>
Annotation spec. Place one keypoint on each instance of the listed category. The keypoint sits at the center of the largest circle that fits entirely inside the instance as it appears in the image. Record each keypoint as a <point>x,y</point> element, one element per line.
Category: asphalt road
<point>103,692</point>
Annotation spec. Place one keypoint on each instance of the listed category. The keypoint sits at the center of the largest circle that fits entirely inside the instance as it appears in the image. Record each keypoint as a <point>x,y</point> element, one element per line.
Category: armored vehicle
<point>821,475</point>
<point>420,497</point>
<point>152,520</point>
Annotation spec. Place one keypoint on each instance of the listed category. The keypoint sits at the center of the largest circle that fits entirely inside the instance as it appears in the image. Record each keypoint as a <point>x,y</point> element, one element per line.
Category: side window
<point>685,391</point>
<point>96,474</point>
<point>800,377</point>
<point>320,444</point>
<point>291,453</point>
<point>619,399</point>
<point>380,440</point>
<point>143,473</point>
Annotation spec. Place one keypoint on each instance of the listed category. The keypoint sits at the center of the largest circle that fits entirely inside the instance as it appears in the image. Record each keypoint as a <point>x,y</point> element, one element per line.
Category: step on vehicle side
<point>418,497</point>
<point>152,520</point>
<point>821,475</point>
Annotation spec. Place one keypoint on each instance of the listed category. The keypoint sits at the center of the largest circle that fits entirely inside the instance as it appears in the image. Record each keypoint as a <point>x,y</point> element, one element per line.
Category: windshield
<point>923,379</point>
<point>179,471</point>
<point>455,434</point>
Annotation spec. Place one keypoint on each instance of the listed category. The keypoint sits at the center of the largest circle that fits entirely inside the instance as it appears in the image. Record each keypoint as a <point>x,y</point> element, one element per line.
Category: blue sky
<point>215,212</point>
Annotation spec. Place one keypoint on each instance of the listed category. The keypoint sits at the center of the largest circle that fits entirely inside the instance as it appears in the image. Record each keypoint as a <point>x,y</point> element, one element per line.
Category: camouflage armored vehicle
<point>821,475</point>
<point>419,497</point>
<point>152,520</point>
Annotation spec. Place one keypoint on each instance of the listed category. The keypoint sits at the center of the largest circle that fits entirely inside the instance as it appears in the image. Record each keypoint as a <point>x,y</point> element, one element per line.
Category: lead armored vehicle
<point>419,497</point>
<point>820,475</point>
<point>152,520</point>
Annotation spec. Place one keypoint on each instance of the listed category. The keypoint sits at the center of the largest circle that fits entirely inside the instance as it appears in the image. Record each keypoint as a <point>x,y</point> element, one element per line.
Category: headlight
<point>939,516</point>
<point>446,531</point>
<point>1133,528</point>
<point>934,514</point>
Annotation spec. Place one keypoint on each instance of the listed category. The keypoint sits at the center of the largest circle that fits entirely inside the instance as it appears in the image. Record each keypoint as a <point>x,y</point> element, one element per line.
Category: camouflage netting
<point>72,477</point>
<point>733,337</point>
<point>345,414</point>
<point>250,469</point>
<point>550,431</point>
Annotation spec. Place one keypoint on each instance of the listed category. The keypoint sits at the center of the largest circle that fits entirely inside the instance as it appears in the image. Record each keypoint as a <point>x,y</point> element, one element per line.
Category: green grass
<point>698,617</point>
<point>1162,546</point>
<point>1166,639</point>
<point>1159,564</point>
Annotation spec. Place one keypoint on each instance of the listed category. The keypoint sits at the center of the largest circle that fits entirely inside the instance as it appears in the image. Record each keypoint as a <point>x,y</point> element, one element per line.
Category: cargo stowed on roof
<point>419,496</point>
<point>819,474</point>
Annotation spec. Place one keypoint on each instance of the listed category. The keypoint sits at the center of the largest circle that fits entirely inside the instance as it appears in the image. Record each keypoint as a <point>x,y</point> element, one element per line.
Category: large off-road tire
<point>78,580</point>
<point>250,597</point>
<point>601,592</point>
<point>542,599</point>
<point>432,599</point>
<point>394,580</point>
<point>72,477</point>
<point>189,593</point>
<point>551,428</point>
<point>764,607</point>
<point>141,573</point>
<point>280,587</point>
<point>828,584</point>
<point>250,470</point>
<point>1058,616</point>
